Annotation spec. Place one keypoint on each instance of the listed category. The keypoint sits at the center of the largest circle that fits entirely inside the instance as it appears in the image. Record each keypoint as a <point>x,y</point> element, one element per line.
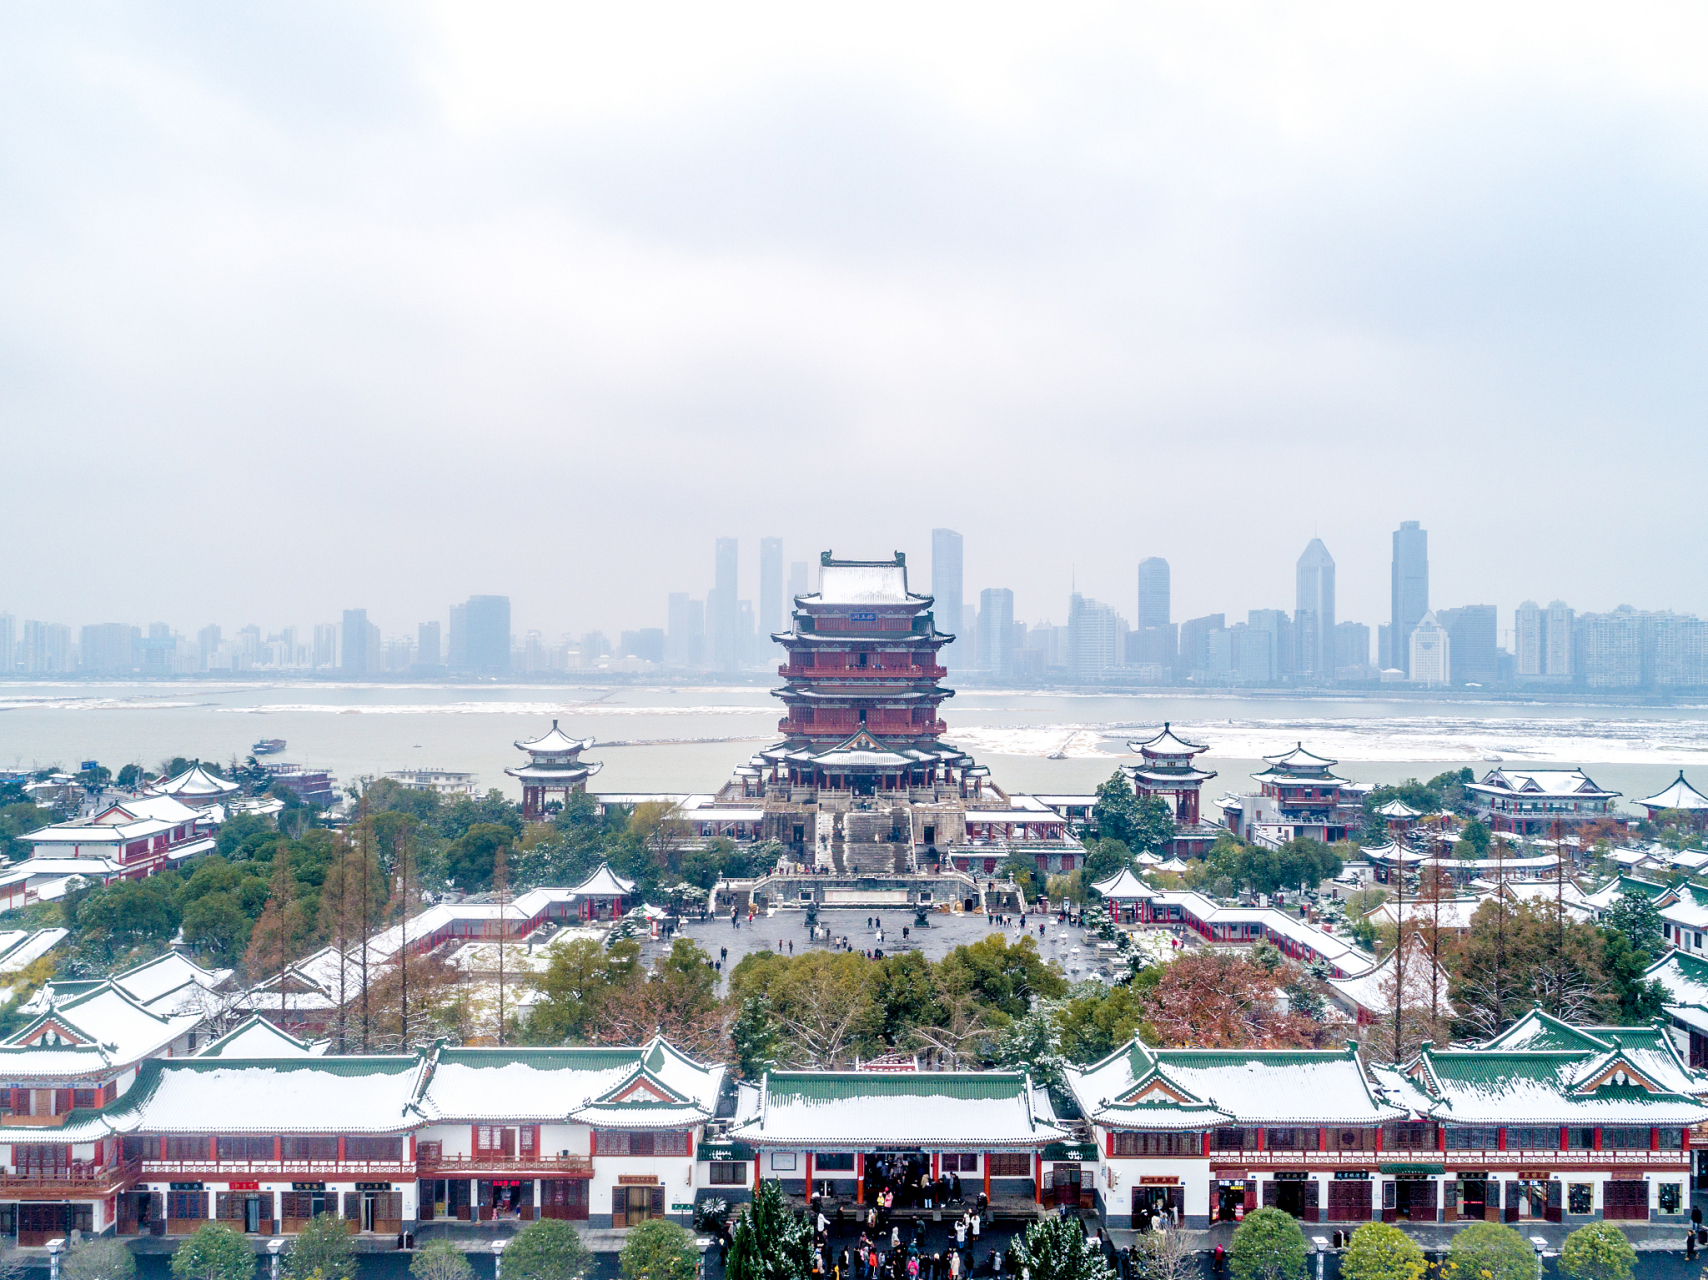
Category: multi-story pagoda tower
<point>554,767</point>
<point>861,686</point>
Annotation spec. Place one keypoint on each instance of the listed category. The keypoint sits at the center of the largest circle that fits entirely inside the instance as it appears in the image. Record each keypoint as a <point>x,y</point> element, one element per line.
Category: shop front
<point>1349,1196</point>
<point>1158,1196</point>
<point>1292,1191</point>
<point>1232,1196</point>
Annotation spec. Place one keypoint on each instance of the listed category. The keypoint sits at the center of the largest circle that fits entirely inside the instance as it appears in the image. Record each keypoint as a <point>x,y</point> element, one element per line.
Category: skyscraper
<point>1471,642</point>
<point>1431,658</point>
<point>797,582</point>
<point>487,640</point>
<point>1530,640</point>
<point>1351,646</point>
<point>1560,624</point>
<point>353,643</point>
<point>325,645</point>
<point>723,608</point>
<point>8,643</point>
<point>946,589</point>
<point>1195,643</point>
<point>427,645</point>
<point>1313,617</point>
<point>770,588</point>
<point>1153,592</point>
<point>1093,636</point>
<point>996,631</point>
<point>1409,584</point>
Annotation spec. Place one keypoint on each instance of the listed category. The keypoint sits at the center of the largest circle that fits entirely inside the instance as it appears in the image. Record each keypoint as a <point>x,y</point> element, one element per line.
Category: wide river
<point>688,738</point>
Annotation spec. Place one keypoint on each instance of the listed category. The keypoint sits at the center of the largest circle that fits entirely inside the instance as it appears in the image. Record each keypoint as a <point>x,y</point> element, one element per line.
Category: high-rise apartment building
<point>1471,632</point>
<point>1559,639</point>
<point>1351,646</point>
<point>770,588</point>
<point>427,645</point>
<point>1431,658</point>
<point>946,591</point>
<point>1195,643</point>
<point>1409,588</point>
<point>325,645</point>
<point>107,648</point>
<point>8,643</point>
<point>1277,651</point>
<point>996,632</point>
<point>1094,637</point>
<point>1542,641</point>
<point>723,607</point>
<point>1313,616</point>
<point>797,583</point>
<point>685,632</point>
<point>46,647</point>
<point>1153,593</point>
<point>1530,640</point>
<point>353,644</point>
<point>486,635</point>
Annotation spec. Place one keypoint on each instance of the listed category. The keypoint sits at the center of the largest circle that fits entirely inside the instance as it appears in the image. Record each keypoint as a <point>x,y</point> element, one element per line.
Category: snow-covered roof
<point>939,1110</point>
<point>1167,743</point>
<point>106,1017</point>
<point>1679,795</point>
<point>604,883</point>
<point>195,783</point>
<point>1123,884</point>
<point>1547,1086</point>
<point>1538,782</point>
<point>20,948</point>
<point>1299,756</point>
<point>255,1037</point>
<point>650,1087</point>
<point>1649,1048</point>
<point>279,1095</point>
<point>165,975</point>
<point>1397,808</point>
<point>1138,1087</point>
<point>862,582</point>
<point>555,741</point>
<point>1426,982</point>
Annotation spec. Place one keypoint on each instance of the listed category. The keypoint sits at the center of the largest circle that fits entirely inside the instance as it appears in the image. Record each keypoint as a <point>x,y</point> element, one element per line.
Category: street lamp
<point>274,1247</point>
<point>498,1259</point>
<point>1538,1243</point>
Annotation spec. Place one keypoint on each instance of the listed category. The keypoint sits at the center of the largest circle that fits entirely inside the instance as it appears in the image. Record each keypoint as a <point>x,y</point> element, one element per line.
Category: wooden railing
<point>560,1166</point>
<point>789,671</point>
<point>71,1180</point>
<point>303,1169</point>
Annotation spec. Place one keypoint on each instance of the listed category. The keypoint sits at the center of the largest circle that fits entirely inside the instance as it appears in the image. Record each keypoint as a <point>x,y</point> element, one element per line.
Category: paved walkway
<point>777,933</point>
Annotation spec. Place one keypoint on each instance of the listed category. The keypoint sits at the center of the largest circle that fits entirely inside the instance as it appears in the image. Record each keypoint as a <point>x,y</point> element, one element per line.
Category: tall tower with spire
<point>1313,618</point>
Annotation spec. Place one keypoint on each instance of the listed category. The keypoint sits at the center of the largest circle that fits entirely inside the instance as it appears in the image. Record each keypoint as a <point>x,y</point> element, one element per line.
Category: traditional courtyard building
<point>1532,801</point>
<point>554,768</point>
<point>1201,1135</point>
<point>125,841</point>
<point>1548,1122</point>
<point>1299,797</point>
<point>848,1134</point>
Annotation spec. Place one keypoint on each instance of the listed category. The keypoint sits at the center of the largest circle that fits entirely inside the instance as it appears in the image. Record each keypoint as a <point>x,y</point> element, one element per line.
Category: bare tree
<point>1165,1255</point>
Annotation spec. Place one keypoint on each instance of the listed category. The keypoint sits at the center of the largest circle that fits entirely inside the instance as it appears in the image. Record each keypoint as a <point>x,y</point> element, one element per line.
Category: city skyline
<point>419,286</point>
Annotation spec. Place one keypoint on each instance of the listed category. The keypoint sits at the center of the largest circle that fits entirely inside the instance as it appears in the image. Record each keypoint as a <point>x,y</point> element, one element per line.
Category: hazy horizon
<point>364,306</point>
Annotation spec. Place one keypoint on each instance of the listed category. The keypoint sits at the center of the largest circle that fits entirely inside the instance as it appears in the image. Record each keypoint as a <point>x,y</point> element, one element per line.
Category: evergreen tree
<point>1268,1245</point>
<point>1058,1249</point>
<point>768,1241</point>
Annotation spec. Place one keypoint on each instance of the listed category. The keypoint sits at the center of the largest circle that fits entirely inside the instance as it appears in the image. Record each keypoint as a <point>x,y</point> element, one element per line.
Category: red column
<point>859,1177</point>
<point>985,1156</point>
<point>809,1176</point>
<point>340,1148</point>
<point>1038,1180</point>
<point>756,1173</point>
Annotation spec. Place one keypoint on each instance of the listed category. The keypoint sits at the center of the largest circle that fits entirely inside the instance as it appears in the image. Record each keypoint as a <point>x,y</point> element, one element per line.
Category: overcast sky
<point>311,306</point>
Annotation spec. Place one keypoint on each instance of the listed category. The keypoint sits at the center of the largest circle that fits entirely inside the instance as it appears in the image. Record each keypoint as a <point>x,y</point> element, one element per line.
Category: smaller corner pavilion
<point>1166,769</point>
<point>603,895</point>
<point>195,787</point>
<point>1680,797</point>
<point>554,767</point>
